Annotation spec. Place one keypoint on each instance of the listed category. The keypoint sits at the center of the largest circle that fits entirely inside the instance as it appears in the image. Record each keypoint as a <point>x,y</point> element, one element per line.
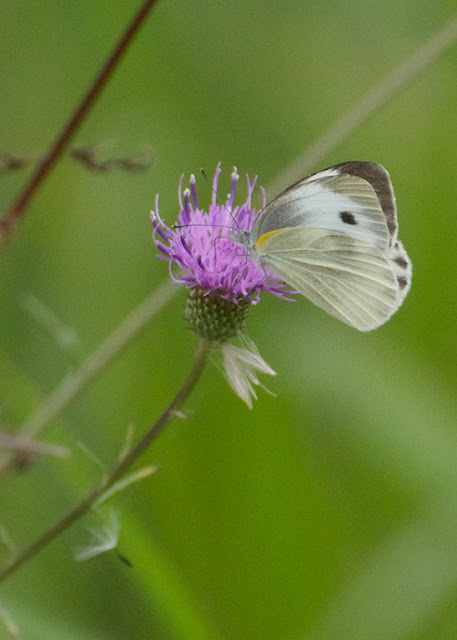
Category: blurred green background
<point>327,512</point>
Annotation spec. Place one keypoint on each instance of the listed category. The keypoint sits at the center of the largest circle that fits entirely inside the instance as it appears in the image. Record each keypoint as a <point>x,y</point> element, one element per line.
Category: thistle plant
<point>223,282</point>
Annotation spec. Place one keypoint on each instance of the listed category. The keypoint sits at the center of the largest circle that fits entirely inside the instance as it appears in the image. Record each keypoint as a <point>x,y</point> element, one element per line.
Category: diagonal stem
<point>373,100</point>
<point>9,220</point>
<point>200,360</point>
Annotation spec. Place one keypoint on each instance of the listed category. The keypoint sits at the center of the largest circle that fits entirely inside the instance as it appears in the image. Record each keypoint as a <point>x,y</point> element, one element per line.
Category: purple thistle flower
<point>203,246</point>
<point>222,279</point>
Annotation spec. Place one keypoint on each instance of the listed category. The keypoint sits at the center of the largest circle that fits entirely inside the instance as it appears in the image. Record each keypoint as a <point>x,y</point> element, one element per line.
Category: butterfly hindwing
<point>343,275</point>
<point>402,268</point>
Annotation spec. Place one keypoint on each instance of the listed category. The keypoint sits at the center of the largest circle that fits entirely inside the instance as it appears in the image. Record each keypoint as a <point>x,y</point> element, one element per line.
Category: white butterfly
<point>333,237</point>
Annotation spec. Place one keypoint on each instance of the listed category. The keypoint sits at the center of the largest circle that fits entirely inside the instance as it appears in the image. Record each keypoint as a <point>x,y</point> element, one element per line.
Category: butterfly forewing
<point>337,202</point>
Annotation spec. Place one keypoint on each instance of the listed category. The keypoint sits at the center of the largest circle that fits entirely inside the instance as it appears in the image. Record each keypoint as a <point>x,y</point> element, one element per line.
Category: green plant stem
<point>9,220</point>
<point>200,360</point>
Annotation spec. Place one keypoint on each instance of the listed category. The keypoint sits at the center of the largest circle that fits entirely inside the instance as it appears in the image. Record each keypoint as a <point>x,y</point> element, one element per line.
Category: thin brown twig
<point>11,217</point>
<point>373,100</point>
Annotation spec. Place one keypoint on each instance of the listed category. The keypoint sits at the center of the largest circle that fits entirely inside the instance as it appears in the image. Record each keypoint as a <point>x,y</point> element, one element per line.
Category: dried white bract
<point>240,367</point>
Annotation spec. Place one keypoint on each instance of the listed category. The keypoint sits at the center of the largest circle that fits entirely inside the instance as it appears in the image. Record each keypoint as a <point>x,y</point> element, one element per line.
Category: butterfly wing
<point>355,198</point>
<point>344,276</point>
<point>333,236</point>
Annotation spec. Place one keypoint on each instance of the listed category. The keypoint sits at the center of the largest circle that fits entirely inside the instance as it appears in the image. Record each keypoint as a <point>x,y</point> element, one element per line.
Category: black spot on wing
<point>402,282</point>
<point>401,262</point>
<point>379,179</point>
<point>348,217</point>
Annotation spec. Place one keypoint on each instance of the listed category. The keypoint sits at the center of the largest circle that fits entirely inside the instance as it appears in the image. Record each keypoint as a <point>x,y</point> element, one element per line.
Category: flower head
<point>203,246</point>
<point>222,278</point>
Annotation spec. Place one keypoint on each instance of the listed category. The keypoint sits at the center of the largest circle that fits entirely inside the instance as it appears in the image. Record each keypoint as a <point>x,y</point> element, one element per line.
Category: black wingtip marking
<point>347,217</point>
<point>379,179</point>
<point>402,282</point>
